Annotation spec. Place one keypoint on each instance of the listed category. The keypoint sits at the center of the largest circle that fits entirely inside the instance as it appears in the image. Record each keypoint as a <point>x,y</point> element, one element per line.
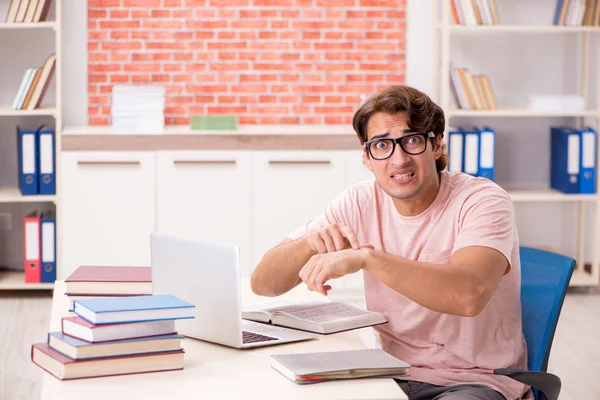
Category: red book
<point>97,280</point>
<point>81,329</point>
<point>65,368</point>
<point>31,238</point>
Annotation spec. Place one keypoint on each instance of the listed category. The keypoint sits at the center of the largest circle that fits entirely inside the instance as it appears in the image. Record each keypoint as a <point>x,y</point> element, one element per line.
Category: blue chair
<point>545,277</point>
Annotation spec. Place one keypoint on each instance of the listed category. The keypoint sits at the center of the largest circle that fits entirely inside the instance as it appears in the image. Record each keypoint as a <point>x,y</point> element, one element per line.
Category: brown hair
<point>422,113</point>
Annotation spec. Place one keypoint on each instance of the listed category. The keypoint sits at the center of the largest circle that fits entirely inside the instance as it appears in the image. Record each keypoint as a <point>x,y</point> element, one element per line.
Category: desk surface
<point>219,372</point>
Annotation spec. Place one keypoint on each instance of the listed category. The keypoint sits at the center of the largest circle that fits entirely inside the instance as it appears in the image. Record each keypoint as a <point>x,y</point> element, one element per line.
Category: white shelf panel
<point>469,29</point>
<point>29,25</point>
<point>15,280</point>
<point>8,111</point>
<point>508,112</point>
<point>547,195</point>
<point>582,278</point>
<point>13,195</point>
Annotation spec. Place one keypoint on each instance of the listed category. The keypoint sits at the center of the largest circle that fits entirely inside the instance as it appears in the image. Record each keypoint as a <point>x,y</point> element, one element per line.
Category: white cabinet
<point>288,189</point>
<point>206,195</point>
<point>107,208</point>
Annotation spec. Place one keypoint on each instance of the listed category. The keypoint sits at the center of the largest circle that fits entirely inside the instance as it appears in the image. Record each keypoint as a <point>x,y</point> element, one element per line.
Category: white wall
<point>516,64</point>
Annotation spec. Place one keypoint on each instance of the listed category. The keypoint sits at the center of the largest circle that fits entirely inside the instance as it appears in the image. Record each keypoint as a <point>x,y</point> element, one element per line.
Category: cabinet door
<point>356,170</point>
<point>107,206</point>
<point>289,189</point>
<point>206,195</point>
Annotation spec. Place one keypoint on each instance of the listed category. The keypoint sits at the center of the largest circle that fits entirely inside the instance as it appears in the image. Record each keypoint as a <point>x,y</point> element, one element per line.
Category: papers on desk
<point>102,340</point>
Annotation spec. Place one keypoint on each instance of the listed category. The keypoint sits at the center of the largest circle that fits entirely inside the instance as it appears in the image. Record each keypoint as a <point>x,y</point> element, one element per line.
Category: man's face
<point>402,176</point>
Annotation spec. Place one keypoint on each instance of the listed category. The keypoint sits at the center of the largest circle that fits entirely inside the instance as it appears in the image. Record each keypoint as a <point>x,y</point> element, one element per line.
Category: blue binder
<point>565,156</point>
<point>456,143</point>
<point>487,146</point>
<point>587,167</point>
<point>471,152</point>
<point>27,156</point>
<point>48,247</point>
<point>46,161</point>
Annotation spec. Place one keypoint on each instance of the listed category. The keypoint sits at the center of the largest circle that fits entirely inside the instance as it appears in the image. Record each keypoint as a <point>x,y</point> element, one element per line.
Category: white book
<point>29,72</point>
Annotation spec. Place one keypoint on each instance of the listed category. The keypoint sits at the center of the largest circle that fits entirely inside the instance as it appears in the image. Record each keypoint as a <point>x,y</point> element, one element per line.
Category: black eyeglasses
<point>380,149</point>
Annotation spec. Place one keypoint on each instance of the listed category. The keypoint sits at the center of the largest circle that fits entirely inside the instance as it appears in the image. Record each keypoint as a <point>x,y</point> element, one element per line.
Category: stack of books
<point>115,336</point>
<point>97,281</point>
<point>472,92</point>
<point>27,11</point>
<point>34,84</point>
<point>138,108</point>
<point>474,12</point>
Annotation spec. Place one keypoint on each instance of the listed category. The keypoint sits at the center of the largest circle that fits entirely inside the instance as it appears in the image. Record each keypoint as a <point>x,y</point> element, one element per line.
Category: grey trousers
<point>425,391</point>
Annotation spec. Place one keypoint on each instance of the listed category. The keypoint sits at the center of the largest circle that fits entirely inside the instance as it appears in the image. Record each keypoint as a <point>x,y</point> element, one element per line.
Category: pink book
<point>46,358</point>
<point>98,280</point>
<point>79,328</point>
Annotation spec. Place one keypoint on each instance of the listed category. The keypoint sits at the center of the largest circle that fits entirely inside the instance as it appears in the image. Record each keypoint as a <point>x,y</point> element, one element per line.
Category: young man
<point>439,251</point>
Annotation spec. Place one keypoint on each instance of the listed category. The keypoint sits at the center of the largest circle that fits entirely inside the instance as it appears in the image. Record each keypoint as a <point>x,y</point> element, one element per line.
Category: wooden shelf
<point>13,195</point>
<point>547,195</point>
<point>467,29</point>
<point>508,112</point>
<point>8,111</point>
<point>29,25</point>
<point>15,280</point>
<point>581,278</point>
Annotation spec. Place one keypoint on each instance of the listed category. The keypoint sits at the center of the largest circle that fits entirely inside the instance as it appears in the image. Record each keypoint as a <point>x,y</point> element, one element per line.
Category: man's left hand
<point>323,267</point>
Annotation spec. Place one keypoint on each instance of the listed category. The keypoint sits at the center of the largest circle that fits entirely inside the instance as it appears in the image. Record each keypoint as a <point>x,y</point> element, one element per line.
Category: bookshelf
<point>34,39</point>
<point>527,21</point>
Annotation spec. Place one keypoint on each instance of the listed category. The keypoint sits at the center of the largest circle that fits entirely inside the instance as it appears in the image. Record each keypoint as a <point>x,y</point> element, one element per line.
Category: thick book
<point>77,349</point>
<point>113,310</point>
<point>316,317</point>
<point>79,328</point>
<point>65,368</point>
<point>334,365</point>
<point>90,280</point>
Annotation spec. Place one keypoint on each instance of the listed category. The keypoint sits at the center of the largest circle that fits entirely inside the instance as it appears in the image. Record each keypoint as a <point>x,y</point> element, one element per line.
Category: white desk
<point>218,372</point>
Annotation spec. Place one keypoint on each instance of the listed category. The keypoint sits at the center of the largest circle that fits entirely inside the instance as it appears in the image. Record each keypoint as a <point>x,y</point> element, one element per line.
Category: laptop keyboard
<point>251,337</point>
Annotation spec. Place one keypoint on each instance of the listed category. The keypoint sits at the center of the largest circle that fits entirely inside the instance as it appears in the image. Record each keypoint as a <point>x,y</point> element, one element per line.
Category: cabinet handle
<point>109,163</point>
<point>204,162</point>
<point>299,162</point>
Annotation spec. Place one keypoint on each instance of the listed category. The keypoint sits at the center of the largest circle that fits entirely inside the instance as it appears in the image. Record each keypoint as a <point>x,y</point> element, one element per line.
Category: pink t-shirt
<point>442,349</point>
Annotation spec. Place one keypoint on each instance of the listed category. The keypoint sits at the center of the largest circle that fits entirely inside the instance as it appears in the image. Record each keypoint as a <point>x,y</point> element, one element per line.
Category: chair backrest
<point>545,277</point>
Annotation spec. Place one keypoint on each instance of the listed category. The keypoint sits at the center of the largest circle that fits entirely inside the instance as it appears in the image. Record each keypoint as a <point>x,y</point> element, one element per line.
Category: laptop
<point>207,274</point>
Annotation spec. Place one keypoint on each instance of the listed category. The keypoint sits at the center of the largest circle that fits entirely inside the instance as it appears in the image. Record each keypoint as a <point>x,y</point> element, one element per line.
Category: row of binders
<point>34,84</point>
<point>474,12</point>
<point>40,247</point>
<point>472,151</point>
<point>577,13</point>
<point>573,160</point>
<point>472,92</point>
<point>36,158</point>
<point>27,11</point>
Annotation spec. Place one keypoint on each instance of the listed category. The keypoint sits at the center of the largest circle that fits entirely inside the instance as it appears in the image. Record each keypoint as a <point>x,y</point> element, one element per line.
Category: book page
<point>320,313</point>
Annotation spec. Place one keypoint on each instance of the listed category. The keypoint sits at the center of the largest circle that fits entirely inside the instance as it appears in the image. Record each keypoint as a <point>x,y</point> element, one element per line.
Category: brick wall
<point>267,61</point>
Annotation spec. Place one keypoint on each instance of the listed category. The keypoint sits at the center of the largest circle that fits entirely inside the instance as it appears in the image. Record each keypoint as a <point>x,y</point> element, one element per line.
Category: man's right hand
<point>334,237</point>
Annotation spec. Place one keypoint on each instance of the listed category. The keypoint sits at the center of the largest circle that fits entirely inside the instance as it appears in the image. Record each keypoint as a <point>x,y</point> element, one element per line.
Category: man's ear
<point>366,159</point>
<point>438,147</point>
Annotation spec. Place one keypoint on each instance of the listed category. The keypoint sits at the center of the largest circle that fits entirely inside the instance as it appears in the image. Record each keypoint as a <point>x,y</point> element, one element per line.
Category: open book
<point>334,365</point>
<point>317,317</point>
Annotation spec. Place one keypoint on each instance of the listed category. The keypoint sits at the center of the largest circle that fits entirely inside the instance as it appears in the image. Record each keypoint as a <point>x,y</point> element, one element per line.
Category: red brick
<point>379,3</point>
<point>227,99</point>
<point>140,78</point>
<point>144,35</point>
<point>119,14</point>
<point>183,14</point>
<point>96,78</point>
<point>160,14</point>
<point>313,14</point>
<point>273,3</point>
<point>227,110</point>
<point>165,46</point>
<point>119,24</point>
<point>280,25</point>
<point>96,14</point>
<point>228,3</point>
<point>97,57</point>
<point>204,99</point>
<point>160,78</point>
<point>141,3</point>
<point>269,14</point>
<point>336,3</point>
<point>121,46</point>
<point>119,78</point>
<point>140,14</point>
<point>183,78</point>
<point>245,120</point>
<point>267,35</point>
<point>117,35</point>
<point>103,3</point>
<point>104,68</point>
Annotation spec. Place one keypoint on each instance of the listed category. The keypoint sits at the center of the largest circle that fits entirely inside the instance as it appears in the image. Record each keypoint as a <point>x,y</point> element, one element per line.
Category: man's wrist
<point>366,257</point>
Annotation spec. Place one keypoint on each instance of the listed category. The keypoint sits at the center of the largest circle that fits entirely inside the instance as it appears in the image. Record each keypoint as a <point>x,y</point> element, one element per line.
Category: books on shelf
<point>27,11</point>
<point>34,84</point>
<point>316,317</point>
<point>577,13</point>
<point>471,92</point>
<point>305,368</point>
<point>123,348</point>
<point>474,12</point>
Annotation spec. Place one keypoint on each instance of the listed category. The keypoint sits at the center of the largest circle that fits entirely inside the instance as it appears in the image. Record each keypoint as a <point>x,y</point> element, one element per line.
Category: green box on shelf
<point>213,122</point>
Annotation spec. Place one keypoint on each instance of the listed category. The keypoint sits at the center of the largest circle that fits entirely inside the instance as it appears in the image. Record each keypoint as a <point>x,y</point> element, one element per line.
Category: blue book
<point>114,310</point>
<point>27,155</point>
<point>487,144</point>
<point>46,162</point>
<point>77,349</point>
<point>565,156</point>
<point>587,170</point>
